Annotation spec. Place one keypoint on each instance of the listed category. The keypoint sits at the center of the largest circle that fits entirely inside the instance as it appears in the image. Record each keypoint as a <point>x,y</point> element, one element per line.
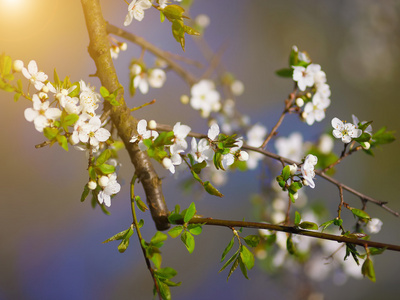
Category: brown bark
<point>99,50</point>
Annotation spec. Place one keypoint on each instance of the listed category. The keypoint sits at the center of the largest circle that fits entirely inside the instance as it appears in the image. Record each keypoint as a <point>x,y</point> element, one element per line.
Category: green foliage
<point>140,204</point>
<point>359,213</point>
<point>351,249</point>
<point>297,218</point>
<point>367,269</point>
<point>174,14</point>
<point>252,240</point>
<point>124,236</point>
<point>111,98</point>
<point>188,240</point>
<point>308,225</point>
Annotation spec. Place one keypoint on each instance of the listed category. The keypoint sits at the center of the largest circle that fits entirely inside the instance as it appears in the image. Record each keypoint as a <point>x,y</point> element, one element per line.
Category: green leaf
<point>195,229</point>
<point>188,239</point>
<point>297,218</point>
<point>140,204</point>
<point>62,141</point>
<point>234,256</point>
<point>247,257</point>
<point>212,190</point>
<point>166,273</point>
<point>50,133</point>
<point>69,120</point>
<point>17,96</point>
<point>252,240</point>
<point>125,241</point>
<point>190,30</point>
<point>367,269</point>
<point>243,268</point>
<point>164,290</point>
<point>158,238</point>
<point>106,169</point>
<point>233,268</point>
<point>190,212</point>
<point>227,249</point>
<point>103,157</point>
<point>308,225</point>
<point>326,224</point>
<point>382,136</point>
<point>178,31</point>
<point>156,258</point>
<point>92,173</point>
<point>359,213</point>
<point>119,236</point>
<point>286,173</point>
<point>338,222</point>
<point>85,193</point>
<point>173,12</point>
<point>57,80</point>
<point>286,72</point>
<point>376,251</point>
<point>291,248</point>
<point>162,17</point>
<point>104,92</point>
<point>175,231</point>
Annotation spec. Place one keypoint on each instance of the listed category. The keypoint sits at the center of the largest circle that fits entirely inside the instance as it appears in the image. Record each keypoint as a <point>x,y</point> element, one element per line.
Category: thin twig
<point>188,77</point>
<point>341,158</point>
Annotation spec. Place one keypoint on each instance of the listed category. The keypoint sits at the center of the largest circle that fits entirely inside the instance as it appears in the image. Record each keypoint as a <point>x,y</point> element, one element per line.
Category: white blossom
<point>42,115</point>
<point>18,65</point>
<point>374,225</point>
<point>356,122</point>
<point>113,187</point>
<point>290,147</point>
<point>88,98</point>
<point>136,10</point>
<point>315,110</point>
<point>304,77</point>
<point>156,78</point>
<point>143,134</point>
<point>204,97</point>
<point>201,151</point>
<point>307,170</point>
<point>35,77</point>
<point>140,79</point>
<point>345,131</point>
<point>180,132</point>
<point>255,138</point>
<point>93,132</point>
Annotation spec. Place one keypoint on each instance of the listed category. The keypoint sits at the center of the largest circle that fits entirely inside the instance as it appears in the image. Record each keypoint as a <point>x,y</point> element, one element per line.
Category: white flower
<point>143,134</point>
<point>307,170</point>
<point>93,132</point>
<point>304,77</point>
<point>345,131</point>
<point>356,122</point>
<point>41,114</point>
<point>140,78</point>
<point>18,65</point>
<point>88,98</point>
<point>113,187</point>
<point>325,144</point>
<point>290,147</point>
<point>234,153</point>
<point>180,132</point>
<point>204,97</point>
<point>255,138</point>
<point>170,163</point>
<point>114,51</point>
<point>156,78</point>
<point>92,185</point>
<point>79,134</point>
<point>374,225</point>
<point>163,3</point>
<point>315,110</point>
<point>213,132</point>
<point>201,151</point>
<point>35,77</point>
<point>136,10</point>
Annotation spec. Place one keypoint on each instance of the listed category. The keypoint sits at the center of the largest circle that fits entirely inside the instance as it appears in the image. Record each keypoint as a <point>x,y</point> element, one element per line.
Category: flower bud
<point>45,89</point>
<point>299,102</point>
<point>366,145</point>
<point>185,99</point>
<point>167,162</point>
<point>295,196</point>
<point>304,182</point>
<point>243,156</point>
<point>103,181</point>
<point>237,87</point>
<point>18,65</point>
<point>92,185</point>
<point>293,169</point>
<point>152,125</point>
<point>43,96</point>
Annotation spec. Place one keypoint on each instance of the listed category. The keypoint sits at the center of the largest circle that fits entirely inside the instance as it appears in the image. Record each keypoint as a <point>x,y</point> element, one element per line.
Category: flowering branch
<point>293,230</point>
<point>363,197</point>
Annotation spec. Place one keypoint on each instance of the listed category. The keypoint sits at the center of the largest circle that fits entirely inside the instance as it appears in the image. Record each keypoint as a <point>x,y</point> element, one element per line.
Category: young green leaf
<point>195,229</point>
<point>175,231</point>
<point>360,213</point>
<point>212,190</point>
<point>188,239</point>
<point>247,257</point>
<point>190,212</point>
<point>252,240</point>
<point>243,268</point>
<point>308,225</point>
<point>85,193</point>
<point>227,249</point>
<point>297,218</point>
<point>367,269</point>
<point>118,236</point>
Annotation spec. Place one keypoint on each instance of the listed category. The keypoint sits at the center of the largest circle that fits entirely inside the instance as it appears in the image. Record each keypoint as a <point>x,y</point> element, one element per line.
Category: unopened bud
<point>45,89</point>
<point>123,46</point>
<point>304,182</point>
<point>295,196</point>
<point>103,181</point>
<point>293,169</point>
<point>243,156</point>
<point>43,96</point>
<point>152,125</point>
<point>299,102</point>
<point>366,145</point>
<point>92,185</point>
<point>18,65</point>
<point>185,99</point>
<point>167,162</point>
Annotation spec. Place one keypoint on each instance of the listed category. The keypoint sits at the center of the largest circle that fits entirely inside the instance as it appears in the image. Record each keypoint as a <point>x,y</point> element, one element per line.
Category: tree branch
<point>293,230</point>
<point>99,50</point>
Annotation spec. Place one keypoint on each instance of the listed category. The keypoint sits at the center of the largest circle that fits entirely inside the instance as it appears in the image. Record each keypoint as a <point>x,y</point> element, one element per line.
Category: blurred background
<point>51,242</point>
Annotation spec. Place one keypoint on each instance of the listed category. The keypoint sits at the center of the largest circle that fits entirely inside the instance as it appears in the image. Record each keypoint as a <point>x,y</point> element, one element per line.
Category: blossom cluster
<point>142,78</point>
<point>314,92</point>
<point>73,105</point>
